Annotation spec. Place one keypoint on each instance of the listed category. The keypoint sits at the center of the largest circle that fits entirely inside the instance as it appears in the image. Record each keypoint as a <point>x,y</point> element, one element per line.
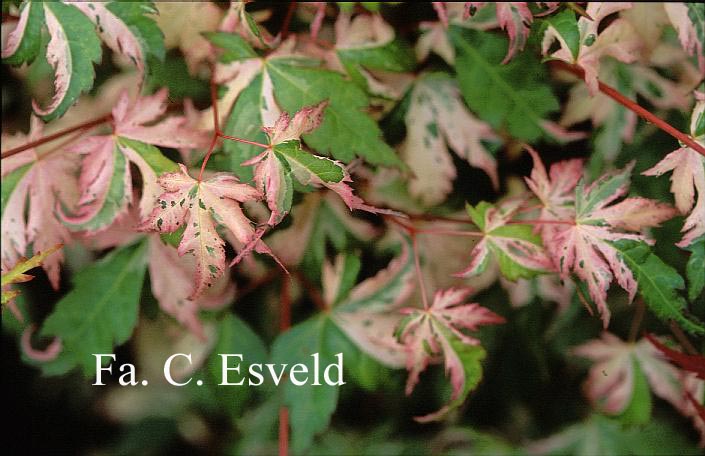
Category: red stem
<point>287,20</point>
<point>234,138</point>
<point>312,291</point>
<point>57,135</point>
<point>284,324</point>
<point>633,106</point>
<point>540,222</point>
<point>283,431</point>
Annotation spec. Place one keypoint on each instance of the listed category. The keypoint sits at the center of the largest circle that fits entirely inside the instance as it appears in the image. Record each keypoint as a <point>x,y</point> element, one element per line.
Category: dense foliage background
<point>433,156</point>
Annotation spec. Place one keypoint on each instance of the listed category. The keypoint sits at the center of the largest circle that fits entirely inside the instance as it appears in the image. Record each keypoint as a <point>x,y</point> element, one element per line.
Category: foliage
<point>312,183</point>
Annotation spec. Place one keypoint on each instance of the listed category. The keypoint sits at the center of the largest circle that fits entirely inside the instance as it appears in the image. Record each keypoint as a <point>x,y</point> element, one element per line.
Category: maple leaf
<point>517,250</point>
<point>613,382</point>
<point>17,274</point>
<point>183,24</point>
<point>259,89</point>
<point>515,18</point>
<point>105,182</point>
<point>199,206</point>
<point>319,220</point>
<point>688,176</point>
<point>285,161</point>
<point>691,363</point>
<point>368,312</point>
<point>124,27</point>
<point>74,46</point>
<point>582,45</point>
<point>583,243</point>
<point>555,190</point>
<point>436,120</point>
<point>33,185</point>
<point>368,51</point>
<point>436,332</point>
<point>170,278</point>
<point>687,19</point>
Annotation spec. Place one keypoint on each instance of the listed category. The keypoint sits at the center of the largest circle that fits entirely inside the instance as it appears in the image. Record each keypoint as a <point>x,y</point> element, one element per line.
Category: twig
<point>287,20</point>
<point>636,320</point>
<point>83,126</point>
<point>634,107</point>
<point>682,339</point>
<point>284,324</point>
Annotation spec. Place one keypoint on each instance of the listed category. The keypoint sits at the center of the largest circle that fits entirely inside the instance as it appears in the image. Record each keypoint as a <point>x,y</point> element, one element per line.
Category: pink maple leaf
<point>200,206</point>
<point>580,238</point>
<point>44,181</point>
<point>285,160</point>
<point>688,168</point>
<point>426,335</point>
<point>108,157</point>
<point>618,40</point>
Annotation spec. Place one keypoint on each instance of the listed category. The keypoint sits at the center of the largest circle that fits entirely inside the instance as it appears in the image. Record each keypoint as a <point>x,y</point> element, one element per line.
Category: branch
<point>58,134</point>
<point>634,107</point>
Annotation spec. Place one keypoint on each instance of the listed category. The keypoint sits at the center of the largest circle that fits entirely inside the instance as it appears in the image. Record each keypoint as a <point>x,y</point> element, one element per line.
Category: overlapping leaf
<point>434,333</point>
<point>515,247</point>
<point>437,120</point>
<point>688,167</point>
<point>514,96</point>
<point>105,182</point>
<point>74,47</point>
<point>614,381</point>
<point>200,206</point>
<point>262,88</point>
<point>583,239</point>
<point>515,18</point>
<point>285,161</point>
<point>581,44</point>
<point>33,185</point>
<point>367,50</point>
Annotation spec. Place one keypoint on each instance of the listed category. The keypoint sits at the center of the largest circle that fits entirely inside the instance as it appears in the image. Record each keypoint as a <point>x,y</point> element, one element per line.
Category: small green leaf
<point>303,163</point>
<point>30,42</point>
<point>659,284</point>
<point>235,47</point>
<point>515,96</point>
<point>639,409</point>
<point>695,269</point>
<point>99,312</point>
<point>346,131</point>
<point>77,49</point>
<point>310,406</point>
<point>566,25</point>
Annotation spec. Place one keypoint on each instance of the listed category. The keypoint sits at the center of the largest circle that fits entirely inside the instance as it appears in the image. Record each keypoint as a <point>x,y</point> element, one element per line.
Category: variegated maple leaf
<point>582,243</point>
<point>437,120</point>
<point>622,371</point>
<point>555,190</point>
<point>199,206</point>
<point>74,47</point>
<point>285,161</point>
<point>432,334</point>
<point>688,20</point>
<point>582,45</point>
<point>368,312</point>
<point>171,281</point>
<point>517,250</point>
<point>515,18</point>
<point>688,167</point>
<point>105,182</point>
<point>33,186</point>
